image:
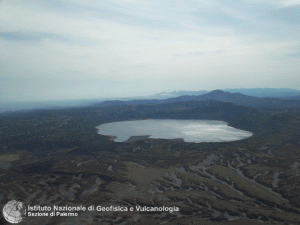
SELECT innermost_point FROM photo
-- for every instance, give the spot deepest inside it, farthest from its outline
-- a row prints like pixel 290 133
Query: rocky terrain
pixel 56 157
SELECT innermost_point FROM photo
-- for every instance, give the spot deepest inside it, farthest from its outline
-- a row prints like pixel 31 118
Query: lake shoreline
pixel 137 138
pixel 194 131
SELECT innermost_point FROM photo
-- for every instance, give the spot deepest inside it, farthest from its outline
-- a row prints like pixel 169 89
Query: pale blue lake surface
pixel 189 130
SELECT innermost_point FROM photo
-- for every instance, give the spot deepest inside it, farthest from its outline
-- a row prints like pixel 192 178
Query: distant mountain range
pixel 255 92
pixel 30 105
pixel 235 98
pixel 242 96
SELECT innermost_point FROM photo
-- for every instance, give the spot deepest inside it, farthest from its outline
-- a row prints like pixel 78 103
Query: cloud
pixel 144 46
pixel 31 36
pixel 204 52
pixel 288 3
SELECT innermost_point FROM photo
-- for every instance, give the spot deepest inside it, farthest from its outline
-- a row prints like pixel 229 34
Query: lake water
pixel 189 130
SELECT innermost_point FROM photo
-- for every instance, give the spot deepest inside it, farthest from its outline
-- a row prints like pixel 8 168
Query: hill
pixel 254 92
pixel 235 98
pixel 57 156
pixel 266 92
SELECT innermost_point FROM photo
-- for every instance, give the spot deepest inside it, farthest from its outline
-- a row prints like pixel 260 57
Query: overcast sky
pixel 73 49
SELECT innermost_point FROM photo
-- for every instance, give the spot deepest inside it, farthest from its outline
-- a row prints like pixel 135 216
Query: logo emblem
pixel 14 211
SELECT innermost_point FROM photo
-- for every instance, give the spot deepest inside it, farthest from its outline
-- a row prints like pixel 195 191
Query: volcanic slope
pixel 56 157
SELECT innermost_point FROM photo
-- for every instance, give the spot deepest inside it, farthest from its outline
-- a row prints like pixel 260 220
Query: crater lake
pixel 188 130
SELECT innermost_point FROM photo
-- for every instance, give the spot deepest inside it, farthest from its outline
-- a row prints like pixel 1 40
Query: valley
pixel 56 157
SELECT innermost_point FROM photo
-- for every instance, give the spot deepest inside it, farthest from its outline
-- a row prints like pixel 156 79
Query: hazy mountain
pixel 12 106
pixel 164 95
pixel 297 97
pixel 255 92
pixel 266 92
pixel 236 98
pixel 241 96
